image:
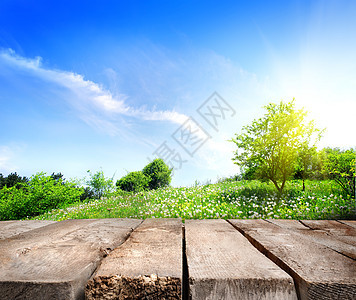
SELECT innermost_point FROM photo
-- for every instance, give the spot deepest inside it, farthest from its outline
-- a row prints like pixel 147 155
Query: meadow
pixel 225 199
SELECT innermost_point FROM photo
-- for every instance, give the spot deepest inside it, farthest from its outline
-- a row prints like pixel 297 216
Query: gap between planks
pixel 296 278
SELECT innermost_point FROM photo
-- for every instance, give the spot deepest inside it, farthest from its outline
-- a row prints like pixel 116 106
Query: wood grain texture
pixel 335 230
pixel 351 223
pixel 319 271
pixel 289 224
pixel 147 266
pixel 56 261
pixel 11 228
pixel 224 265
pixel 332 234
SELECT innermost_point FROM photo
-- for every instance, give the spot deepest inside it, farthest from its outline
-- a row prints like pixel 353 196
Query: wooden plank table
pixel 222 264
pixel 147 266
pixel 56 261
pixel 318 270
pixel 156 259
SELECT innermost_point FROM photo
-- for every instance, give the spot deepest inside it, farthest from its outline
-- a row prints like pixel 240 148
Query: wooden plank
pixel 334 229
pixel 337 236
pixel 318 271
pixel 330 226
pixel 10 228
pixel 351 223
pixel 147 266
pixel 224 265
pixel 288 224
pixel 56 261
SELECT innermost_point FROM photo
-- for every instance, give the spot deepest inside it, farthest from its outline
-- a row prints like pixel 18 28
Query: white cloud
pixel 216 155
pixel 91 99
pixel 6 158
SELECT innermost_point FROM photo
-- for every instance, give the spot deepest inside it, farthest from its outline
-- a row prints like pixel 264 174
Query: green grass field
pixel 227 199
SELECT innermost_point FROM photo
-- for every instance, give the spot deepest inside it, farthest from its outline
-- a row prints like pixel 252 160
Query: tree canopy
pixel 340 165
pixel 159 174
pixel 133 182
pixel 271 145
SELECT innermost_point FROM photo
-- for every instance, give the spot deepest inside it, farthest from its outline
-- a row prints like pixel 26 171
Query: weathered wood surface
pixel 224 265
pixel 10 228
pixel 351 223
pixel 56 261
pixel 332 234
pixel 147 266
pixel 334 228
pixel 289 224
pixel 342 234
pixel 319 271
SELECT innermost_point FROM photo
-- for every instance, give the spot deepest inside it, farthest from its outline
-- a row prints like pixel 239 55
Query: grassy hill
pixel 226 199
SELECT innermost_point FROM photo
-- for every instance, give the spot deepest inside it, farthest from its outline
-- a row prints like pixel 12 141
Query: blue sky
pixel 106 84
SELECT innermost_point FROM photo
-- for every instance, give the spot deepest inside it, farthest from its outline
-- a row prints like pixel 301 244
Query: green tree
pixel 99 184
pixel 133 182
pixel 271 144
pixel 248 172
pixel 40 194
pixel 159 174
pixel 308 164
pixel 12 180
pixel 59 177
pixel 340 166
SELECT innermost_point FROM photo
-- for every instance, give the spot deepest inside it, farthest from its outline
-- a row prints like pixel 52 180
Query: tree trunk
pixel 282 185
pixel 279 189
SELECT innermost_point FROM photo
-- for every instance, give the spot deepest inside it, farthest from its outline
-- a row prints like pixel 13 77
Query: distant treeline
pixel 22 197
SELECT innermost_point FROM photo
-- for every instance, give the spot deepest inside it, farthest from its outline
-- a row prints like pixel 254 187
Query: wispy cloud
pixel 6 157
pixel 96 105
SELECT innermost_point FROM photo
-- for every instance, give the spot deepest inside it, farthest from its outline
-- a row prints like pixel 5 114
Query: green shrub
pixel 39 195
pixel 158 173
pixel 87 194
pixel 99 185
pixel 340 166
pixel 133 182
